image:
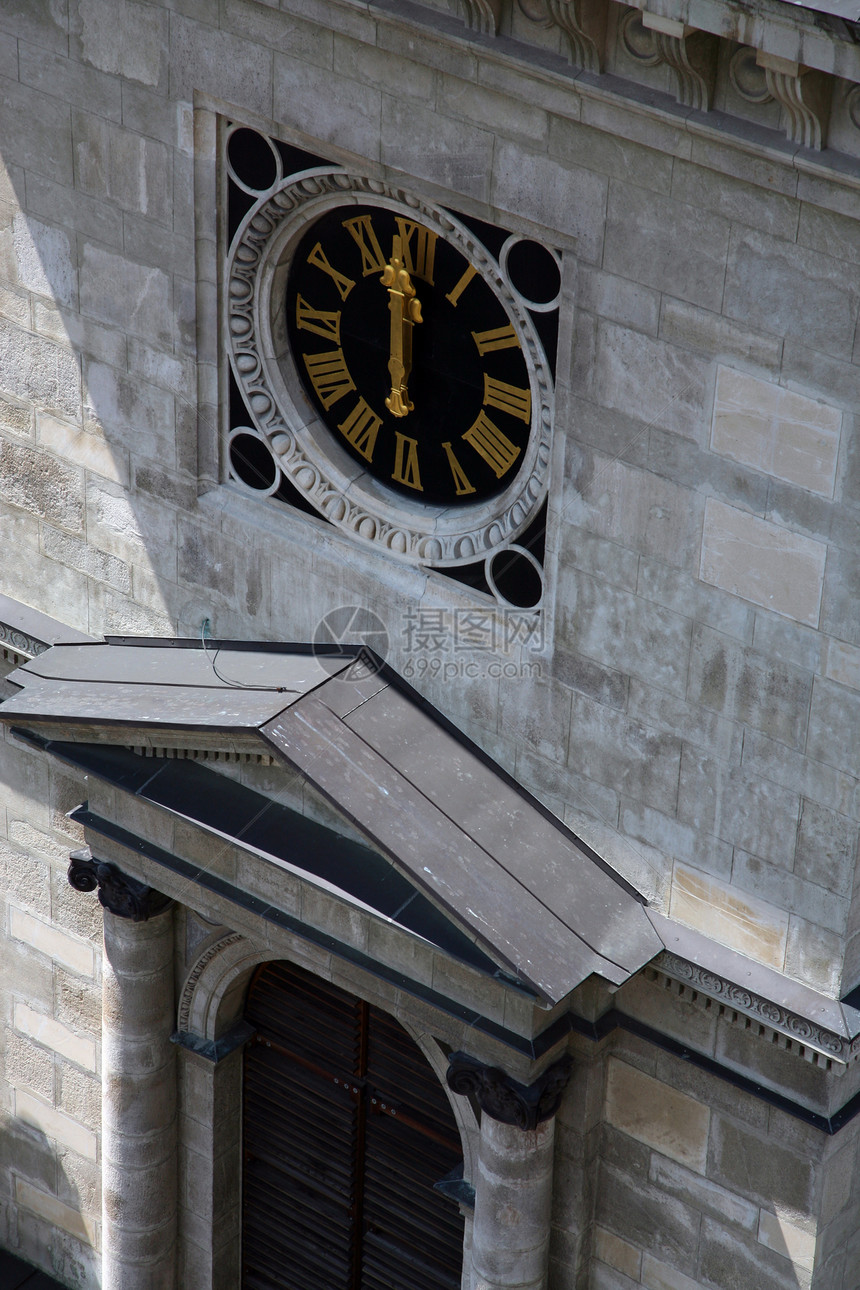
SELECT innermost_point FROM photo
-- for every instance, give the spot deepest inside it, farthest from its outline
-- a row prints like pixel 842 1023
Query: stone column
pixel 513 1190
pixel 139 1162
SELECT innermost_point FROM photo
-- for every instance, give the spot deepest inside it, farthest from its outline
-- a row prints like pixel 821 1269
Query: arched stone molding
pixel 213 992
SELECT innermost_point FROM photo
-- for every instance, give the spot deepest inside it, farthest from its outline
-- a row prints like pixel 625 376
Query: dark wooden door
pixel 346 1128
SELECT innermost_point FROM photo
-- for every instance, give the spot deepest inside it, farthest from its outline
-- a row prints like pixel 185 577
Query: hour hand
pixel 405 309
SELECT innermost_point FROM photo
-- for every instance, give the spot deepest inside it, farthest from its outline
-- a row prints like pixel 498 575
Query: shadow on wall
pixel 40 1219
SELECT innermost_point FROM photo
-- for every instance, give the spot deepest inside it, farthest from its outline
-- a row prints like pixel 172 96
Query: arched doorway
pixel 346 1129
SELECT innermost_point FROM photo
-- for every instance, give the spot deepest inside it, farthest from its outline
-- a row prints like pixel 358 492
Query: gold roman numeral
pixel 418 260
pixel 322 321
pixel 489 442
pixel 329 376
pixel 406 462
pixel 361 230
pixel 497 338
pixel 319 260
pixel 454 295
pixel 508 398
pixel 461 483
pixel 361 428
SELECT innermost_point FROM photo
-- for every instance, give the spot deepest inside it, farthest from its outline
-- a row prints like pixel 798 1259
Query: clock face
pixel 408 355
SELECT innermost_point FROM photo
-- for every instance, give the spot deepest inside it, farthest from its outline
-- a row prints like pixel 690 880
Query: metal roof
pixel 462 832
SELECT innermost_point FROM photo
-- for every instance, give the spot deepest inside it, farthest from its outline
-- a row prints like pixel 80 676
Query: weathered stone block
pixel 618 299
pixel 839 600
pixel 35 370
pixel 654 383
pixel 687 325
pixel 789 890
pixel 608 154
pixel 646 1217
pixel 117 291
pixel 55 1124
pixel 351 119
pixel 571 200
pixel 788 289
pixel 736 199
pixel 753 927
pixel 52 941
pixel 624 632
pixel 45 146
pixel 762 1170
pixel 667 1121
pixel 667 836
pixel 826 847
pixel 619 1254
pixel 776 430
pixel 55 1036
pixel 31 1068
pixel 666 244
pixel 762 562
pixel 638 509
pixel 833 719
pixel 814 955
pixel 747 686
pixel 627 756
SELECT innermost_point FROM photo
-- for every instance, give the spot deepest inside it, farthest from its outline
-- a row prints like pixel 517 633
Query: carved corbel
pixel 804 94
pixel 482 15
pixel 502 1098
pixel 584 24
pixel 118 894
pixel 692 56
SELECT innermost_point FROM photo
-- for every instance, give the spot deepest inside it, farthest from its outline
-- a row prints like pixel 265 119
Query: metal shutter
pixel 346 1128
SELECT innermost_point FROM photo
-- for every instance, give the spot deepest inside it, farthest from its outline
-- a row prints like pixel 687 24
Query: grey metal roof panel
pixel 505 822
pixel 210 667
pixel 501 910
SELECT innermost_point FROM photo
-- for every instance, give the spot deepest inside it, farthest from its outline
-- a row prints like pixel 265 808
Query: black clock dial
pixel 409 356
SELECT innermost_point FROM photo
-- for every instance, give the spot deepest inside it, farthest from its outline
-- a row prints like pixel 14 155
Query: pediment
pixel 448 835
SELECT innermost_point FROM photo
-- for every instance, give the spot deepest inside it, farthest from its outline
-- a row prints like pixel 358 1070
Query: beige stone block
pixel 55 1124
pixel 660 1276
pixel 55 1212
pixel 775 430
pixel 842 663
pixel 60 946
pixel 763 562
pixel 668 1121
pixel 619 1254
pixel 777 1233
pixel 54 1035
pixel 750 926
pixel 81 447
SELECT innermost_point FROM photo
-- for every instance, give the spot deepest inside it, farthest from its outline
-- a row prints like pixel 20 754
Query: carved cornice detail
pixel 584 25
pixel 806 1033
pixel 118 894
pixel 693 58
pixel 502 1098
pixel 803 94
pixel 482 15
pixel 20 642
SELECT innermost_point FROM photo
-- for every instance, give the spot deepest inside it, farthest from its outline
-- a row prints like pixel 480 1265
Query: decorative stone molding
pixel 118 894
pixel 482 15
pixel 804 95
pixel 748 77
pixel 20 643
pixel 584 24
pixel 501 1097
pixel 692 56
pixel 811 1038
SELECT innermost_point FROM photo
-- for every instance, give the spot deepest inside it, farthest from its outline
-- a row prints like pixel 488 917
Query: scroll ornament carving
pixel 803 94
pixel 118 894
pixel 692 57
pixel 20 642
pixel 771 1014
pixel 584 25
pixel 502 1098
pixel 482 15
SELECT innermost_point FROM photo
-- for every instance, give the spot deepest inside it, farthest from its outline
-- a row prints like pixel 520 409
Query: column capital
pixel 118 893
pixel 501 1097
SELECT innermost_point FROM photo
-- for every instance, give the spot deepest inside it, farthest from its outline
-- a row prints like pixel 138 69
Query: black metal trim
pixel 215 1050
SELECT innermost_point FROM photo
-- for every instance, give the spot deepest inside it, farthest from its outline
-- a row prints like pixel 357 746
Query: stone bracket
pixel 804 95
pixel 482 15
pixel 584 24
pixel 692 56
pixel 501 1097
pixel 118 894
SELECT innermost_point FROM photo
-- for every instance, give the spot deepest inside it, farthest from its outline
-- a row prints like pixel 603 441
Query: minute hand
pixel 405 309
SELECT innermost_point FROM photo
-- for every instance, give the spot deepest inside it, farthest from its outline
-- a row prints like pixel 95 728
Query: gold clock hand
pixel 405 309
